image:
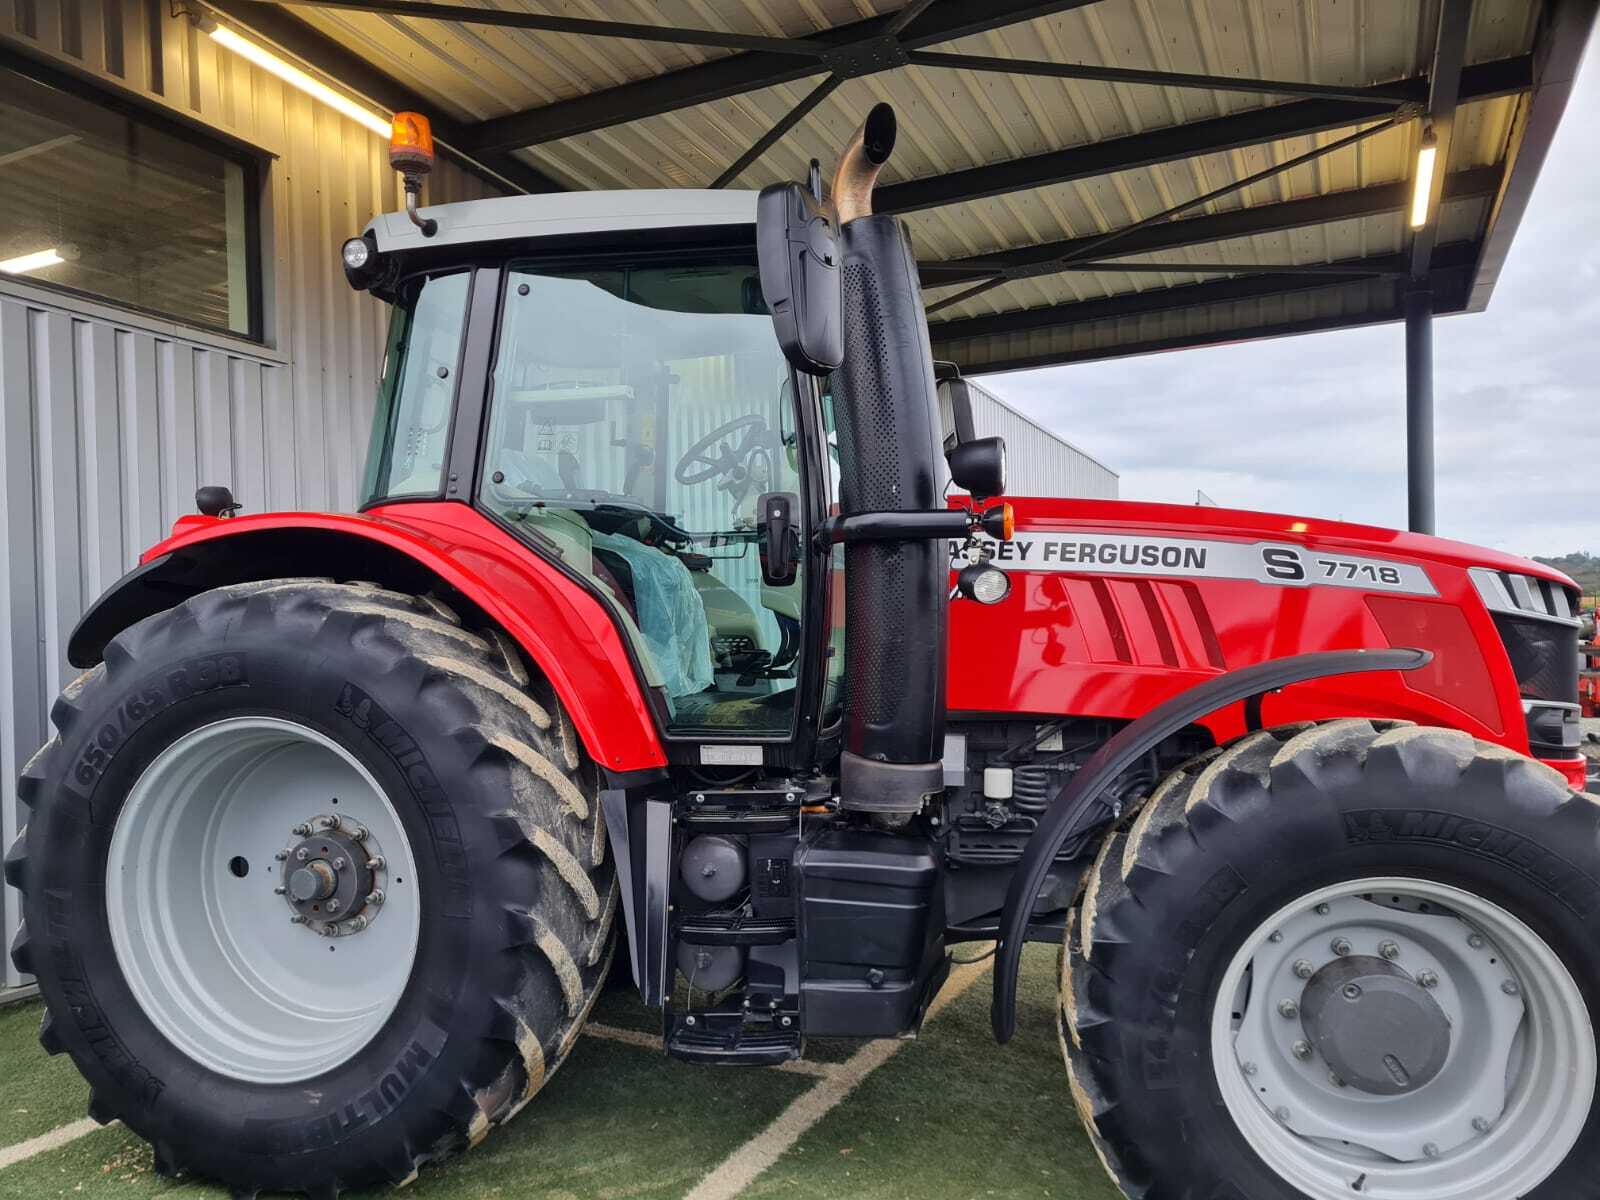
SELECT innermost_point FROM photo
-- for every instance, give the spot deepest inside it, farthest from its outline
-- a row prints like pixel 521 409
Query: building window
pixel 127 208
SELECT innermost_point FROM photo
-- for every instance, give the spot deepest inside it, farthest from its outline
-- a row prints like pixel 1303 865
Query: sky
pixel 1315 425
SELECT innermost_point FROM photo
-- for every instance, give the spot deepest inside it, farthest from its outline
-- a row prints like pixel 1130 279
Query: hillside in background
pixel 1584 569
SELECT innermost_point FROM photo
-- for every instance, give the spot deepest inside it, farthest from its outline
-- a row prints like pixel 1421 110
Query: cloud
pixel 1316 424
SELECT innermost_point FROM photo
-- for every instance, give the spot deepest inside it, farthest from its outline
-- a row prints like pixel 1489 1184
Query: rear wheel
pixel 315 884
pixel 1343 959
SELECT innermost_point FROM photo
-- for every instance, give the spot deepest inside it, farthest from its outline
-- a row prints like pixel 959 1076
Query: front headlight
pixel 356 254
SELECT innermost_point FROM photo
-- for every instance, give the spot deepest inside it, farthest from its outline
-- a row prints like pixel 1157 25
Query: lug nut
pixel 338 863
pixel 302 854
pixel 1340 946
pixel 1389 950
pixel 1303 969
pixel 1323 910
pixel 357 924
pixel 1301 1050
pixel 301 830
pixel 1249 1068
pixel 1288 1009
pixel 1510 988
pixel 1482 1124
pixel 1475 940
pixel 279 890
pixel 334 905
pixel 1282 1114
pixel 330 822
pixel 359 833
pixel 375 897
pixel 281 855
pixel 297 919
pixel 1276 936
pixel 375 863
pixel 1428 979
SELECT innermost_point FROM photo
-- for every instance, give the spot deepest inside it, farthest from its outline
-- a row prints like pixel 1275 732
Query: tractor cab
pixel 602 377
pixel 638 424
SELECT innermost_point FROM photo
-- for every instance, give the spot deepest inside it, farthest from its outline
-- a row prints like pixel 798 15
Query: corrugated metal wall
pixel 108 420
pixel 1038 462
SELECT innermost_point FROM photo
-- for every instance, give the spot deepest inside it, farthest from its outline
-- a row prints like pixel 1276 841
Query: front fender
pixel 411 546
pixel 1066 816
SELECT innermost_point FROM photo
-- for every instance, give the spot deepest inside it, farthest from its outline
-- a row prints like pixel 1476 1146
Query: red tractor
pixel 654 633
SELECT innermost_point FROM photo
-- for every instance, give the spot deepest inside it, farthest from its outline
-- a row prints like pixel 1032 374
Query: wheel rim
pixel 218 953
pixel 1492 1121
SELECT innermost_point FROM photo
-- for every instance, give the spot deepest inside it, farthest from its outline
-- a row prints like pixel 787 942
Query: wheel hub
pixel 1377 1028
pixel 332 877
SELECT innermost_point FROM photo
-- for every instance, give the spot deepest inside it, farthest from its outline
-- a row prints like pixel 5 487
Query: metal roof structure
pixel 1082 178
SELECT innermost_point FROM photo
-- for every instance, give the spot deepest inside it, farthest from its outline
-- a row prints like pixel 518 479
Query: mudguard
pixel 413 546
pixel 1066 815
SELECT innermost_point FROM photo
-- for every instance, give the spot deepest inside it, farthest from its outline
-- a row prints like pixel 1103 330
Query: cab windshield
pixel 638 414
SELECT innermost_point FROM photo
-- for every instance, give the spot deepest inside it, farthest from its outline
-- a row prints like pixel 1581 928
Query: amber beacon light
pixel 411 153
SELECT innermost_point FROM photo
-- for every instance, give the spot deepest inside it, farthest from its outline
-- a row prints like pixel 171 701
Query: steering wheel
pixel 709 458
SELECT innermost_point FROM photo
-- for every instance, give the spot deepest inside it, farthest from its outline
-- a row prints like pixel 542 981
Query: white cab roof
pixel 561 213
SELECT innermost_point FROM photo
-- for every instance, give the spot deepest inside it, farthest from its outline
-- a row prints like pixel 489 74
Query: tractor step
pixel 722 1044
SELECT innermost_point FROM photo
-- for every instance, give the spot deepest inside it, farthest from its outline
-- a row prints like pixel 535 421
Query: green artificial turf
pixel 950 1115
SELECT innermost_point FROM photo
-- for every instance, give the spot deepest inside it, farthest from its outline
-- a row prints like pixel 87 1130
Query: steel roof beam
pixel 751 71
pixel 1458 255
pixel 1212 227
pixel 1172 79
pixel 1444 93
pixel 1453 284
pixel 1216 135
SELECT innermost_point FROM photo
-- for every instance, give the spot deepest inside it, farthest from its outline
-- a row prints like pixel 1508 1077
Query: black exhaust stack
pixel 886 406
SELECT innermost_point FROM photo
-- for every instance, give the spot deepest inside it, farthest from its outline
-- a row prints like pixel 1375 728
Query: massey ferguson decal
pixel 1191 558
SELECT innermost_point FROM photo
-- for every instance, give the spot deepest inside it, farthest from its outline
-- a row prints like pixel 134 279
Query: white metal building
pixel 1038 461
pixel 1082 178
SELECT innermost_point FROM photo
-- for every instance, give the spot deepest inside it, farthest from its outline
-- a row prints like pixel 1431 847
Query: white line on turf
pixel 741 1168
pixel 10 1156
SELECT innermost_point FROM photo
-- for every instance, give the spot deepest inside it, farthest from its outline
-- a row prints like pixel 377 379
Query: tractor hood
pixel 1037 515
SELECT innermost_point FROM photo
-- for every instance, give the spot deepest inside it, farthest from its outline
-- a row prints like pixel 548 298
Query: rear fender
pixel 1070 813
pixel 442 548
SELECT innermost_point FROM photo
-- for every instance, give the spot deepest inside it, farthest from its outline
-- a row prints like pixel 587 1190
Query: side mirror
pixel 979 467
pixel 955 410
pixel 797 246
pixel 780 544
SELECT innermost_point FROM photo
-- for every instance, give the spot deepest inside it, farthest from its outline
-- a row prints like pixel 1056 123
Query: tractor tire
pixel 1350 958
pixel 234 767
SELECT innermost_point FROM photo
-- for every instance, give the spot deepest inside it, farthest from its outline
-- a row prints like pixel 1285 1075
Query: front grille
pixel 1544 657
pixel 1538 625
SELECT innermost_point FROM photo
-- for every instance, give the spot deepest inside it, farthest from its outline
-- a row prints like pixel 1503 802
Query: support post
pixel 1419 409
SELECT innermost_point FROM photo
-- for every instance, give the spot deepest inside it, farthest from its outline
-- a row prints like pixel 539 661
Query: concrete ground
pixel 950 1116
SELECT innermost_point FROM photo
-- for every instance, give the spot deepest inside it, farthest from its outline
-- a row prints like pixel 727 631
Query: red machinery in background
pixel 1589 665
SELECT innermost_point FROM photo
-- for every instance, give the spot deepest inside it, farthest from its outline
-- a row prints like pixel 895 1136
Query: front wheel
pixel 1343 959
